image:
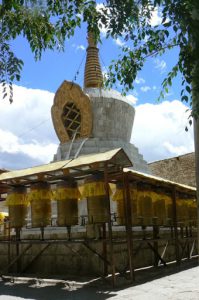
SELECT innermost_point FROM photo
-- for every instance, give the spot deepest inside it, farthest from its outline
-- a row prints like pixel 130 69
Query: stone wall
pixel 75 258
pixel 179 169
pixel 113 117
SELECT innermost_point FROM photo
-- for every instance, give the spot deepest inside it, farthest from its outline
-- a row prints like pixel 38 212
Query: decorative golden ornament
pixel 71 112
pixel 92 74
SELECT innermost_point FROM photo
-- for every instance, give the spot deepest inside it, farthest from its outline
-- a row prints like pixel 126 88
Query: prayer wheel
pixel 192 208
pixel 4 228
pixel 159 208
pixel 17 203
pixel 3 216
pixel 67 195
pixel 40 199
pixel 97 202
pixel 182 211
pixel 121 219
pixel 145 207
pixel 169 210
pixel 119 198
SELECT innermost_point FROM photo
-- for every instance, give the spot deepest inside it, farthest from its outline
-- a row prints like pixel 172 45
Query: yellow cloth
pixel 17 199
pixel 64 193
pixel 40 195
pixel 118 195
pixel 91 189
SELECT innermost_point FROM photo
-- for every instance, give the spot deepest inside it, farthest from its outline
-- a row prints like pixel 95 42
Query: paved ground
pixel 177 286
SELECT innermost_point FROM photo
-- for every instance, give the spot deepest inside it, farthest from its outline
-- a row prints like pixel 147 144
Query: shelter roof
pixel 80 166
pixel 158 181
pixel 115 161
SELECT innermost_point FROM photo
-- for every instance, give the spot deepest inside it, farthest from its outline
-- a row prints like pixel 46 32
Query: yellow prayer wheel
pixel 182 211
pixel 4 228
pixel 3 216
pixel 145 207
pixel 97 201
pixel 121 219
pixel 67 195
pixel 40 199
pixel 169 209
pixel 119 198
pixel 17 207
pixel 192 208
pixel 159 208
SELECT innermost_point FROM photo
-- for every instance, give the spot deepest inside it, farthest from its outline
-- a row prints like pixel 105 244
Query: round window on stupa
pixel 71 118
pixel 71 113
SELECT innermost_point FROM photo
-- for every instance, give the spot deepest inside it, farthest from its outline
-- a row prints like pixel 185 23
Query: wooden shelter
pixel 113 167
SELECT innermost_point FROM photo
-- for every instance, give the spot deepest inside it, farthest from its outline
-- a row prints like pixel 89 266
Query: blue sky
pixel 26 128
pixel 49 72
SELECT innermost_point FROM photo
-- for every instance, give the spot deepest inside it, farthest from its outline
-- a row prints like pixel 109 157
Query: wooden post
pixel 9 244
pixel 110 227
pixel 128 212
pixel 155 244
pixel 17 230
pixel 42 233
pixel 177 252
pixel 104 249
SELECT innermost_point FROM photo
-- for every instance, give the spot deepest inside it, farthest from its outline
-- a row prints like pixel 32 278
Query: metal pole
pixel 110 226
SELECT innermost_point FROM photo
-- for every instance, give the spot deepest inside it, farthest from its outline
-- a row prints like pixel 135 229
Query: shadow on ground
pixel 99 289
pixel 42 290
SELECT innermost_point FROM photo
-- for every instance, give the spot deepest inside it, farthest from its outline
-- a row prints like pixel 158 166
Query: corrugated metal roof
pixel 152 178
pixel 34 170
pixel 119 154
pixel 115 154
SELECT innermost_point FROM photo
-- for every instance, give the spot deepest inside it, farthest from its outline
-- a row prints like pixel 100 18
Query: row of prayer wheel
pixel 151 208
pixel 39 198
pixel 147 207
pixel 66 195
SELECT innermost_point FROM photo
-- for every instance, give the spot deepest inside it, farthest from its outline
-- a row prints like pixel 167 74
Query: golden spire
pixel 92 73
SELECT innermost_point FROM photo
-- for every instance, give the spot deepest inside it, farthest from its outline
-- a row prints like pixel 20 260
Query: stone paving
pixel 178 286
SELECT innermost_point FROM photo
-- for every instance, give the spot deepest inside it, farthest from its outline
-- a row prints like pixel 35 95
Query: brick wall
pixel 179 169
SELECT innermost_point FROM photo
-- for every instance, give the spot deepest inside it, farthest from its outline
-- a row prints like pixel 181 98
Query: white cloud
pixel 102 28
pixel 139 80
pixel 119 42
pixel 161 65
pixel 36 150
pixel 156 17
pixel 175 150
pixel 26 127
pixel 159 130
pixel 28 137
pixel 131 99
pixel 145 88
pixel 80 47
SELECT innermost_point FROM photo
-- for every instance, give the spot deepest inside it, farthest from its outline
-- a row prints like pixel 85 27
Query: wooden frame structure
pixel 112 165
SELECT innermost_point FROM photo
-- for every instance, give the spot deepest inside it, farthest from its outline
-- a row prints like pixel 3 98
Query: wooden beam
pixel 17 258
pixel 35 258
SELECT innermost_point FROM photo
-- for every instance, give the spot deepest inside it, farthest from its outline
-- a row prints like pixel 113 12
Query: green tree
pixel 179 28
pixel 46 24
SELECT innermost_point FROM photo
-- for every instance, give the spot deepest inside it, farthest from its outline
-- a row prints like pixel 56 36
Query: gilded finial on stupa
pixel 92 73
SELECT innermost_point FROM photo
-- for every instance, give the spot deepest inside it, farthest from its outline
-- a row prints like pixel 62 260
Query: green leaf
pixel 188 89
